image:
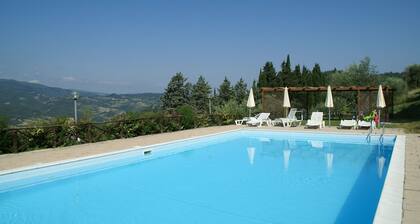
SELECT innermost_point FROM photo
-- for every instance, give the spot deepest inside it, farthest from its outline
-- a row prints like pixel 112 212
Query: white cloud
pixel 69 78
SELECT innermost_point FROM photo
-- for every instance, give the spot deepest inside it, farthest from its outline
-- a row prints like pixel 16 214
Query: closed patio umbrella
pixel 286 100
pixel 380 102
pixel 329 104
pixel 251 103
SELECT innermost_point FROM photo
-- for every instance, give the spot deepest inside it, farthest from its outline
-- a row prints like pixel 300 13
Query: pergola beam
pixel 324 89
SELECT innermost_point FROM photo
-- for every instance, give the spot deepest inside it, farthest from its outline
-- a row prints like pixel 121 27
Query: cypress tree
pixel 317 77
pixel 306 77
pixel 262 79
pixel 284 76
pixel 267 77
pixel 296 77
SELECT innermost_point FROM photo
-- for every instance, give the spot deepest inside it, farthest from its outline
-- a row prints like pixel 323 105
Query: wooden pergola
pixel 361 91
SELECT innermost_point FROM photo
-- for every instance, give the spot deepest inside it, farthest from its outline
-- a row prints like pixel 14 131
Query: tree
pixel 257 95
pixel 306 77
pixel 267 77
pixel 362 74
pixel 412 76
pixel 176 93
pixel 3 122
pixel 283 77
pixel 188 91
pixel 225 91
pixel 240 91
pixel 296 77
pixel 200 94
pixel 317 77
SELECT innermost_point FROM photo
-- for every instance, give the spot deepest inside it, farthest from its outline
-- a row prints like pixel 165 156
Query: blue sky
pixel 136 46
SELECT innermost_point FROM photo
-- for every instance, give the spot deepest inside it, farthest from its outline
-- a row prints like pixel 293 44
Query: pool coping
pixel 134 148
pixel 390 206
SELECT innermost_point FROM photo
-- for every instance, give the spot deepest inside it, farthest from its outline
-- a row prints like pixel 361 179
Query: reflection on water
pixel 286 158
pixel 251 154
pixel 329 158
pixel 316 144
pixel 380 161
pixel 307 152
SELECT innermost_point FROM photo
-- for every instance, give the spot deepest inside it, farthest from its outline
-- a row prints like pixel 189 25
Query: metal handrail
pixel 369 134
pixel 381 137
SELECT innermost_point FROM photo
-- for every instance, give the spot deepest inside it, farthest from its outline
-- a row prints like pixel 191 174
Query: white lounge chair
pixel 316 120
pixel 348 124
pixel 242 121
pixel 259 120
pixel 289 120
pixel 365 124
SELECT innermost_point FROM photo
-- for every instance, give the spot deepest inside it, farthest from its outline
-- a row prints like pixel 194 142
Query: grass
pixel 409 127
pixel 407 114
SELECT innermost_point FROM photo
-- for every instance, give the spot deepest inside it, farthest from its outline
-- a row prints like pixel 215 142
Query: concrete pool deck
pixel 411 199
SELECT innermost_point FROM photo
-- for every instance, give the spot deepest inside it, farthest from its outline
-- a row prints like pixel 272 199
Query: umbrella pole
pixel 249 110
pixel 329 117
pixel 379 118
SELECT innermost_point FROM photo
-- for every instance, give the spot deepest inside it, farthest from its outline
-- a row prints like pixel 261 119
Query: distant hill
pixel 23 101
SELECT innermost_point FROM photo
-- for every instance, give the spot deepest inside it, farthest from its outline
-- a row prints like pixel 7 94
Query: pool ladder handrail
pixel 369 134
pixel 381 137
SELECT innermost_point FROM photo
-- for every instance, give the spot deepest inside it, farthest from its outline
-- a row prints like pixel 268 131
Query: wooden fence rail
pixel 13 140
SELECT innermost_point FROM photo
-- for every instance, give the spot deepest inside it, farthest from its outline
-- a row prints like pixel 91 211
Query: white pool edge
pixel 390 206
pixel 134 148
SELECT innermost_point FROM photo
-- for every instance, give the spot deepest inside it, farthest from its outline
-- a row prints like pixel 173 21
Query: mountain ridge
pixel 21 102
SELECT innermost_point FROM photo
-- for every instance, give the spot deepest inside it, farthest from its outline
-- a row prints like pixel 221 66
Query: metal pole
pixel 75 96
pixel 379 118
pixel 329 116
pixel 75 110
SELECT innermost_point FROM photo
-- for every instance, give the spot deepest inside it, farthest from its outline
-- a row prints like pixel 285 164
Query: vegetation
pixel 412 76
pixel 177 93
pixel 64 132
pixel 184 105
pixel 200 95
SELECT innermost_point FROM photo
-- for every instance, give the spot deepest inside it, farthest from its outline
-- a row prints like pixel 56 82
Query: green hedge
pixel 64 132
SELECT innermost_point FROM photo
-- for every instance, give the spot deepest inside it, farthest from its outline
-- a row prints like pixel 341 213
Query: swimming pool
pixel 237 177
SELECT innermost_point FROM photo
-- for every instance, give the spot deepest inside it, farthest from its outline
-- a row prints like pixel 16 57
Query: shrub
pixel 187 114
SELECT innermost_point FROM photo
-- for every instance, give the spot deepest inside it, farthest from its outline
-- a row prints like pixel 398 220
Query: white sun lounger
pixel 259 120
pixel 242 121
pixel 316 120
pixel 348 124
pixel 289 120
pixel 365 124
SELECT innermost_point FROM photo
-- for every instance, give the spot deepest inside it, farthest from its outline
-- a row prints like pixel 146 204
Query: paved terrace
pixel 411 205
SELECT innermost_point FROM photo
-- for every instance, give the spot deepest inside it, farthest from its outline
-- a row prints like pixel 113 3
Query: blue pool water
pixel 238 177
